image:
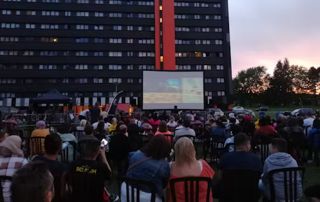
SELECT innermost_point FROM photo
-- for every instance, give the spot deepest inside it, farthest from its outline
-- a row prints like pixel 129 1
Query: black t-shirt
pixel 87 179
pixel 241 161
pixel 119 147
pixel 56 168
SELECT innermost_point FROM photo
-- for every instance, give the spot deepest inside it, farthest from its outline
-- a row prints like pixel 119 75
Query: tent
pixel 52 97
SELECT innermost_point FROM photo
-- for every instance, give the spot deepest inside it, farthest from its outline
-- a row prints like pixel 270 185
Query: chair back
pixel 36 145
pixel 243 184
pixel 66 152
pixel 4 179
pixel 263 150
pixel 230 147
pixel 217 148
pixel 169 138
pixel 133 189
pixel 194 189
pixel 288 186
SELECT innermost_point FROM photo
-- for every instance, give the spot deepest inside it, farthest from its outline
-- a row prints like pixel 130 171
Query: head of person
pixel 52 144
pixel 171 119
pixel 100 126
pixel 123 129
pixel 88 130
pixel 89 149
pixel 157 148
pixel 278 145
pixel 163 126
pixel 10 124
pixel 263 121
pixel 83 123
pixel 316 123
pixel 186 122
pixel 41 124
pixel 63 129
pixel 292 122
pixel 242 142
pixel 155 116
pixel 114 121
pixel 32 183
pixel 185 152
pixel 11 146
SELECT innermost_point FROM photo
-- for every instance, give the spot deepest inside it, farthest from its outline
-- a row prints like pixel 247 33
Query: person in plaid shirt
pixel 11 159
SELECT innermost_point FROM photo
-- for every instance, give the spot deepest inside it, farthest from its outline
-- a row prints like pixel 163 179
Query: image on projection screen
pixel 164 90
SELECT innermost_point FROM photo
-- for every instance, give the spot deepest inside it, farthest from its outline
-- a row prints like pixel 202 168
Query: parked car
pixel 303 112
pixel 262 109
pixel 216 112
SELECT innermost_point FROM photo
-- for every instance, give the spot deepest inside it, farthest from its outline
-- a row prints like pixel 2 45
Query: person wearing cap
pixel 11 127
pixel 11 159
pixel 41 130
pixel 185 129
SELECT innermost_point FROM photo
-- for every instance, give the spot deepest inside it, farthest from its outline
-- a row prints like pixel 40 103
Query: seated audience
pixel 119 150
pixel 11 159
pixel 149 164
pixel 87 176
pixel 100 132
pixel 265 128
pixel 41 130
pixel 172 124
pixel 186 165
pixel 52 146
pixel 314 134
pixel 32 183
pixel 10 127
pixel 278 159
pixel 219 131
pixel 242 158
pixel 154 122
pixel 163 130
pixel 113 127
pixel 185 129
pixel 135 139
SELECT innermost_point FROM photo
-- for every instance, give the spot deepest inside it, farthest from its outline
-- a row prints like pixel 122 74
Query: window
pixel 117 27
pixel 208 80
pixel 115 80
pixel 97 80
pixel 115 54
pixel 82 40
pixel 98 27
pixel 220 67
pixel 81 67
pixel 30 26
pixel 81 80
pixel 82 14
pixel 115 40
pixel 220 80
pixel 115 67
pixel 6 12
pixel 129 80
pixel 82 27
pixel 98 67
pixel 115 15
pixel 221 93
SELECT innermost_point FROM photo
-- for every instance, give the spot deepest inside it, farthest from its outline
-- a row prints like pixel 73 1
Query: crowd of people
pixel 155 148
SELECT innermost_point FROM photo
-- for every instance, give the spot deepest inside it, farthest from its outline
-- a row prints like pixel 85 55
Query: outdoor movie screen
pixel 164 90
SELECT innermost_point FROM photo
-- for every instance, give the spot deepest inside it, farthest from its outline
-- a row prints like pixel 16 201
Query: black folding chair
pixel 263 151
pixel 191 188
pixel 36 145
pixel 134 187
pixel 65 153
pixel 217 149
pixel 292 178
pixel 3 179
pixel 240 186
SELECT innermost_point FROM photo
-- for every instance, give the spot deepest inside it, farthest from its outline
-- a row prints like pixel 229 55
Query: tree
pixel 250 83
pixel 281 84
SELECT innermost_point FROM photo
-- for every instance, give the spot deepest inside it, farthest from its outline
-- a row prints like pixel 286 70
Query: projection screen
pixel 164 90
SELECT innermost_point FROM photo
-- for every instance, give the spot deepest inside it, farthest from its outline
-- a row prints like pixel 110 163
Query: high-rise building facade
pixel 91 49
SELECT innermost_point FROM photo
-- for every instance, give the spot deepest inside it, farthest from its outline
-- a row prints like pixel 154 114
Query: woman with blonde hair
pixel 186 165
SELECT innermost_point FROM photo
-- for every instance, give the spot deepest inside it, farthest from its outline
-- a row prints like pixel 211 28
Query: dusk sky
pixel 264 31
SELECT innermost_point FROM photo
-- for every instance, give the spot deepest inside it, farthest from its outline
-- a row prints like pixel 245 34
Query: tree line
pixel 289 85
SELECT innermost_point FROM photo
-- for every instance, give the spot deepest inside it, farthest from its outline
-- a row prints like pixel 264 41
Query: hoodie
pixel 278 161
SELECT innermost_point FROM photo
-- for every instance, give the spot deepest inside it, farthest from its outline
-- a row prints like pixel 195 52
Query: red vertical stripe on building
pixel 169 47
pixel 157 34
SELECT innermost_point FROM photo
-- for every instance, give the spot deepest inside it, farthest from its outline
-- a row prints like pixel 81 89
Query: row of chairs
pixel 237 186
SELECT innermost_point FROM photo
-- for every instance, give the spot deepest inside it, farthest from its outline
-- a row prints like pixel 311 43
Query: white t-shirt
pixel 308 122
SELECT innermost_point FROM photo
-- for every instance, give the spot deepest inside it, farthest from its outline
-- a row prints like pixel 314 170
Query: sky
pixel 265 31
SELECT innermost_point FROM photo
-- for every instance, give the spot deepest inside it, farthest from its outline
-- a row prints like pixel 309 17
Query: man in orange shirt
pixel 41 130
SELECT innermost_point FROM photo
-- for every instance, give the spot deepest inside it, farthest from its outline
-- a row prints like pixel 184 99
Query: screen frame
pixel 176 71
